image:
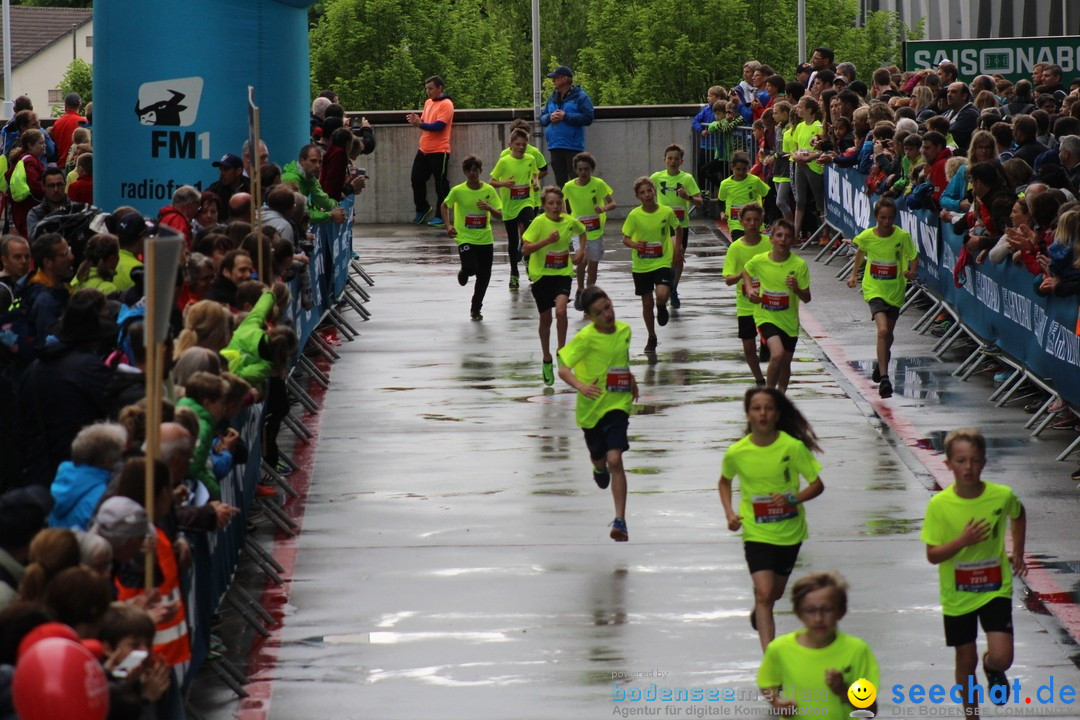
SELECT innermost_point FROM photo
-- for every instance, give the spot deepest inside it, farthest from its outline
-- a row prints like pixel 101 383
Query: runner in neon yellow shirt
pixel 532 151
pixel 769 460
pixel 679 191
pixel 648 231
pixel 784 281
pixel 516 177
pixel 589 199
pixel 964 532
pixel 751 244
pixel 547 247
pixel 809 672
pixel 738 190
pixel 467 211
pixel 893 261
pixel 596 363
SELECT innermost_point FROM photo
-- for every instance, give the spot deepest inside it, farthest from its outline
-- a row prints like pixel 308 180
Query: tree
pixel 79 78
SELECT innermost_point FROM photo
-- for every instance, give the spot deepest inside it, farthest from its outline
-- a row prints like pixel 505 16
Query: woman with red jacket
pixel 30 150
pixel 336 177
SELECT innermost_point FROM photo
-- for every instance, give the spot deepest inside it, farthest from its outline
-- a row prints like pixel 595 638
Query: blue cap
pixel 561 71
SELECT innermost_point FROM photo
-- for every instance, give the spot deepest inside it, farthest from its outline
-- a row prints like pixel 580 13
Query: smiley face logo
pixel 862 693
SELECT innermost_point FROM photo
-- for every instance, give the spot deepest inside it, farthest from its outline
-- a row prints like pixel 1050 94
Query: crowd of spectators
pixel 75 524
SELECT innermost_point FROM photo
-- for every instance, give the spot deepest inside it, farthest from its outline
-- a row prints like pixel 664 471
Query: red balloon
pixel 46 630
pixel 58 679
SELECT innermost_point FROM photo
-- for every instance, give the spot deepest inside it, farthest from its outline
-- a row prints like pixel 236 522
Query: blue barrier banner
pixel 849 209
pixel 998 303
pixel 168 103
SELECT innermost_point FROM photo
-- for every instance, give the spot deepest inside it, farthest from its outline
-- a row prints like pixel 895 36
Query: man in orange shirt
pixel 433 157
pixel 65 126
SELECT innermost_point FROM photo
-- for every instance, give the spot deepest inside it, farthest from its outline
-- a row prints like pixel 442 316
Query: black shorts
pixel 877 305
pixel 766 556
pixel 747 327
pixel 995 616
pixel 548 288
pixel 609 433
pixel 646 281
pixel 768 330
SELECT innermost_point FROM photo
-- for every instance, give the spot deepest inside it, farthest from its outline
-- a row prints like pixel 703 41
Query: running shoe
pixel 1002 376
pixel 577 302
pixel 662 315
pixel 421 217
pixel 513 282
pixel 1056 406
pixel 618 530
pixel 885 388
pixel 941 328
pixel 1076 475
pixel 650 346
pixel 1065 422
pixel 475 315
pixel 675 301
pixel 462 278
pixel 994 678
pixel 265 491
pixel 876 375
pixel 549 373
pixel 436 222
pixel 283 468
pixel 764 353
pixel 602 478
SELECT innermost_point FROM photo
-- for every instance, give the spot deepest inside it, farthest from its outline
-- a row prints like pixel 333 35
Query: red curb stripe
pixel 1038 580
pixel 263 657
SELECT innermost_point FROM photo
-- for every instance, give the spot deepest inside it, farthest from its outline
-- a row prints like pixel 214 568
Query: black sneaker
pixel 764 353
pixel 602 478
pixel 675 301
pixel 475 315
pixel 577 302
pixel 650 346
pixel 876 375
pixel 462 278
pixel 662 315
pixel 995 678
pixel 885 388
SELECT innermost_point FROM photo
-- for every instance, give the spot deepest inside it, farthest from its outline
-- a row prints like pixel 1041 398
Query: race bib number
pixel 883 270
pixel 476 222
pixel 766 512
pixel 520 192
pixel 775 301
pixel 978 576
pixel 591 222
pixel 735 212
pixel 556 260
pixel 680 212
pixel 652 250
pixel 618 379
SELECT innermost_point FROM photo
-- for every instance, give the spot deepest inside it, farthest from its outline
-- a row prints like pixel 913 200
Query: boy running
pixel 964 532
pixel 467 212
pixel 739 190
pixel 892 261
pixel 596 363
pixel 678 190
pixel 516 177
pixel 751 244
pixel 532 151
pixel 588 199
pixel 647 231
pixel 783 281
pixel 547 248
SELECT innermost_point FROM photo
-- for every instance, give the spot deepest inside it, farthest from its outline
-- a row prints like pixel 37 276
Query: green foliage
pixel 376 53
pixel 78 78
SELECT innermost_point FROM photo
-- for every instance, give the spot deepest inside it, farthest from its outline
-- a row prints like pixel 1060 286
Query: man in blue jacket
pixel 568 111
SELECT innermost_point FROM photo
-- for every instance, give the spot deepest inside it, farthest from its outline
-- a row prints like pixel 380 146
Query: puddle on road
pixel 444 418
pixel 879 525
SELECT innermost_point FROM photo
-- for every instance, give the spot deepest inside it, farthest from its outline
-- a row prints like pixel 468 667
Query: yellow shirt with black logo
pixel 522 171
pixel 667 192
pixel 981 572
pixel 602 359
pixel 554 259
pixel 473 225
pixel 655 229
pixel 738 254
pixel 737 193
pixel 887 259
pixel 799 672
pixel 779 303
pixel 541 163
pixel 583 200
pixel 764 471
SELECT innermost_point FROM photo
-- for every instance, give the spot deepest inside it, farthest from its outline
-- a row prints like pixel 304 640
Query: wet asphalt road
pixel 455 561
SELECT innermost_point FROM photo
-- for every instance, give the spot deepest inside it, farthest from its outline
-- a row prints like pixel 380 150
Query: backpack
pixel 19 186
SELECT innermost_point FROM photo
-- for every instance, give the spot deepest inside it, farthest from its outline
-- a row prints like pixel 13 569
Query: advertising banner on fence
pixel 1011 57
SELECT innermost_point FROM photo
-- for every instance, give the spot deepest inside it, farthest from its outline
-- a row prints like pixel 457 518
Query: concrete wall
pixel 624 149
pixel 43 72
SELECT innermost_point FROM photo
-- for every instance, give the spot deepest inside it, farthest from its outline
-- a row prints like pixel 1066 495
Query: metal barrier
pixel 333 272
pixel 995 308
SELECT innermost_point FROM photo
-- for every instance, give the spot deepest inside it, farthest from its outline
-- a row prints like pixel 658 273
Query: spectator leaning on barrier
pixel 935 155
pixel 303 174
pixel 962 116
pixel 568 111
pixel 81 481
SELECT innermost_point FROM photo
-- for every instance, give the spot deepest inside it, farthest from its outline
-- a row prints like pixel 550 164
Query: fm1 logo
pixel 173 104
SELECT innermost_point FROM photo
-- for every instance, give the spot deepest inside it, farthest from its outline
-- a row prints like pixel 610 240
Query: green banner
pixel 1012 58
